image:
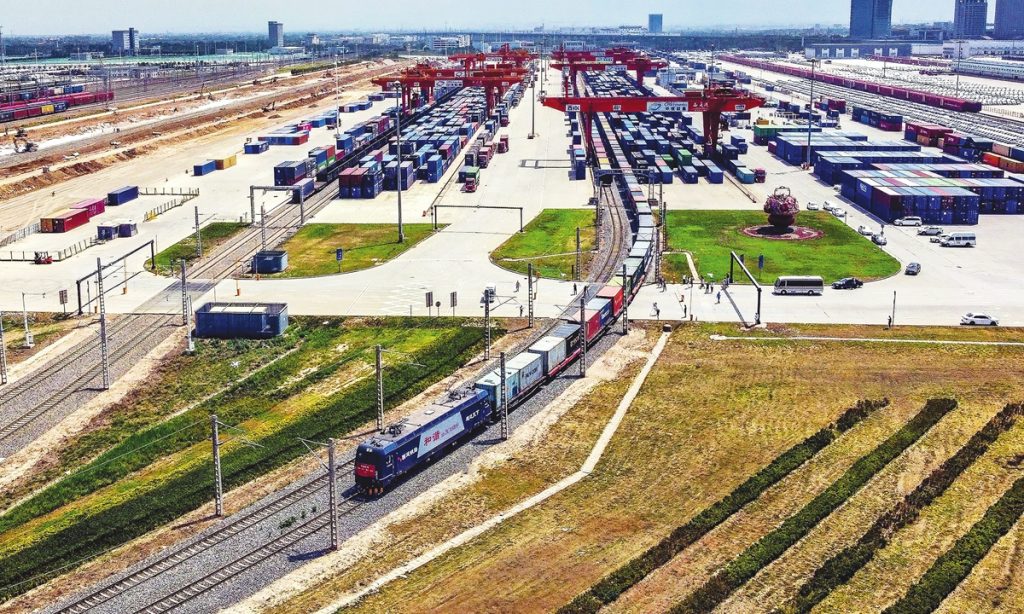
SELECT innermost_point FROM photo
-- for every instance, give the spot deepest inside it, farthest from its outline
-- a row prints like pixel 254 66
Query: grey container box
pixel 241 320
pixel 270 261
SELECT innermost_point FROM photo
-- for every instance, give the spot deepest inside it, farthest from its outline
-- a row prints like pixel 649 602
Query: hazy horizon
pixel 99 17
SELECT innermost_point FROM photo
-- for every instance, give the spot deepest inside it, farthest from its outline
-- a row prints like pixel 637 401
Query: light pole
pixel 959 58
pixel 810 112
pixel 29 342
pixel 398 132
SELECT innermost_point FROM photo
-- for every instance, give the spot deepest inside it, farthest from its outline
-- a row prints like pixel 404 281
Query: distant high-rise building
pixel 655 23
pixel 970 18
pixel 870 19
pixel 1009 18
pixel 125 42
pixel 275 33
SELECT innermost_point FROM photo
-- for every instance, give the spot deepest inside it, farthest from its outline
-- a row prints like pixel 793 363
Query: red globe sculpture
pixel 782 208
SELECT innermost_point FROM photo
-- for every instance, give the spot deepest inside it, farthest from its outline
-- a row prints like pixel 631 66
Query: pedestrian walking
pixel 574 289
pixel 517 286
pixel 890 321
pixel 684 311
pixel 719 298
pixel 520 311
pixel 657 311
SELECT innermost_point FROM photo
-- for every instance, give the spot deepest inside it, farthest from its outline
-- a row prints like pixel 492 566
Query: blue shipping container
pixel 122 195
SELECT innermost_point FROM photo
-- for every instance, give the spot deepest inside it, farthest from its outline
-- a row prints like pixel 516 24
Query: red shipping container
pixel 64 221
pixel 593 326
pixel 94 207
pixel 614 294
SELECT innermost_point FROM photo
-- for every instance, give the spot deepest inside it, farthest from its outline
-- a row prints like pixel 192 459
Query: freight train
pixel 900 93
pixel 14 111
pixel 430 432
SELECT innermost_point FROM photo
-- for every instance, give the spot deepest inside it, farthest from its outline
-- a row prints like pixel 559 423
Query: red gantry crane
pixel 712 103
pixel 494 85
pixel 638 65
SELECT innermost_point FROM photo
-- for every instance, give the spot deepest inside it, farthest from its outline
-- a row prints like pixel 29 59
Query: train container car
pixel 604 307
pixel 303 190
pixel 289 173
pixel 530 369
pixel 552 352
pixel 94 206
pixel 416 440
pixel 613 294
pixel 491 384
pixel 241 320
pixel 592 323
pixel 64 221
pixel 123 195
pixel 257 147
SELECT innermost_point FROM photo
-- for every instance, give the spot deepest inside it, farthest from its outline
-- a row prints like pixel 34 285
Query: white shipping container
pixel 491 383
pixel 551 350
pixel 530 367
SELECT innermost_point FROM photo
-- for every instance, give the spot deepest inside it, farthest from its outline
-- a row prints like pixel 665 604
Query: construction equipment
pixel 712 103
pixel 471 184
pixel 270 107
pixel 23 145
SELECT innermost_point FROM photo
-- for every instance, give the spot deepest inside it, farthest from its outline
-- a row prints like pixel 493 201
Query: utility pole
pixel 263 227
pixel 504 398
pixel 579 257
pixel 893 317
pixel 104 358
pixel 533 110
pixel 199 237
pixel 184 295
pixel 810 112
pixel 487 325
pixel 332 487
pixel 218 486
pixel 625 301
pixel 3 352
pixel 529 293
pixel 664 222
pixel 583 333
pixel 398 133
pixel 380 389
pixel 657 256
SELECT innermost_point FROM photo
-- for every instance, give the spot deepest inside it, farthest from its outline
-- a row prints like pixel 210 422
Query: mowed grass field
pixel 711 415
pixel 212 235
pixel 710 235
pixel 145 462
pixel 312 250
pixel 549 243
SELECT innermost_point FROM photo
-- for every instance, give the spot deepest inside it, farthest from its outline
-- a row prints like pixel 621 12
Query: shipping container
pixel 224 163
pixel 241 320
pixel 127 228
pixel 123 195
pixel 270 261
pixel 64 221
pixel 106 231
pixel 613 294
pixel 257 147
pixel 204 168
pixel 93 206
pixel 530 368
pixel 552 352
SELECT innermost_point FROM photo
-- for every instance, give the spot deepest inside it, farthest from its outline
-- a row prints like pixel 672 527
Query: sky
pixel 35 17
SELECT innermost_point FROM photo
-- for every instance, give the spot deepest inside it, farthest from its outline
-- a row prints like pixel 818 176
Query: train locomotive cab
pixel 372 464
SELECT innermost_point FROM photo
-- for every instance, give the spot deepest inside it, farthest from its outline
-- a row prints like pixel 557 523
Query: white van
pixel 960 239
pixel 799 285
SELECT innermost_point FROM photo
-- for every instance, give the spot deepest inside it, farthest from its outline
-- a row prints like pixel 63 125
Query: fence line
pixel 58 255
pixel 18 235
pixel 186 195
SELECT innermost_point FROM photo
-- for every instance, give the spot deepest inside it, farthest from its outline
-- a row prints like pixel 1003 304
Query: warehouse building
pixel 841 51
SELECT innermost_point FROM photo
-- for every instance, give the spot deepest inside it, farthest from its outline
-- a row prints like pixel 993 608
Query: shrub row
pixel 188 489
pixel 614 584
pixel 956 564
pixel 840 568
pixel 770 547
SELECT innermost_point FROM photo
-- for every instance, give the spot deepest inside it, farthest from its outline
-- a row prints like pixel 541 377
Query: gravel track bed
pixel 252 580
pixel 133 336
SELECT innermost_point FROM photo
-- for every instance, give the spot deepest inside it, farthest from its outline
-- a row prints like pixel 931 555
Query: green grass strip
pixel 956 564
pixel 609 588
pixel 770 547
pixel 212 235
pixel 187 490
pixel 839 569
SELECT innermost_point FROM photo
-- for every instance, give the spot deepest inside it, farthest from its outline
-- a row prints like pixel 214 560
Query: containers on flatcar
pixel 491 384
pixel 530 369
pixel 551 351
pixel 613 294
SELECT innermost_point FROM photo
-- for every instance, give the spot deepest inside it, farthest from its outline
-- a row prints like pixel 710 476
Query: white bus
pixel 799 285
pixel 960 239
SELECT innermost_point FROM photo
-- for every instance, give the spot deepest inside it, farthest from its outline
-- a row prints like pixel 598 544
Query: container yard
pixel 429 296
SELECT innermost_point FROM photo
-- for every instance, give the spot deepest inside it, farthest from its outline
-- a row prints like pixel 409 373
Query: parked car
pixel 913 268
pixel 938 238
pixel 912 220
pixel 847 283
pixel 929 231
pixel 839 212
pixel 813 207
pixel 864 230
pixel 828 206
pixel 879 240
pixel 978 319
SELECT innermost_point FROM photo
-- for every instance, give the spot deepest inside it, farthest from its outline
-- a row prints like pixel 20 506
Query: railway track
pixel 233 527
pixel 154 332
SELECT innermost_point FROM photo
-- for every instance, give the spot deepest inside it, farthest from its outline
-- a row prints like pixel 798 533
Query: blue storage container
pixel 106 232
pixel 241 320
pixel 257 147
pixel 205 168
pixel 303 190
pixel 122 195
pixel 127 229
pixel 270 261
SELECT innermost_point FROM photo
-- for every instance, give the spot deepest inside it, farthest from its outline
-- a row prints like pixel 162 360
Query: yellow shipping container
pixel 228 162
pixel 47 109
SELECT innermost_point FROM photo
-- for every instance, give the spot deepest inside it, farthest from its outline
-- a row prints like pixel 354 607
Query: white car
pixel 828 206
pixel 813 207
pixel 838 212
pixel 879 240
pixel 864 230
pixel 909 221
pixel 930 231
pixel 978 319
